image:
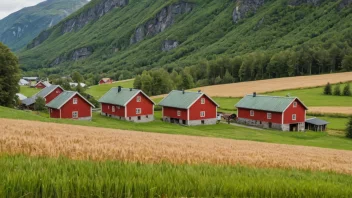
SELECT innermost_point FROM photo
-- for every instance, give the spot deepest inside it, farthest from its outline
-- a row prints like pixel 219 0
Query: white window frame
pixel 75 101
pixel 202 101
pixel 269 116
pixel 73 113
pixel 138 111
pixel 294 104
pixel 57 91
pixel 139 99
pixel 178 113
pixel 294 117
pixel 202 114
pixel 113 109
pixel 251 112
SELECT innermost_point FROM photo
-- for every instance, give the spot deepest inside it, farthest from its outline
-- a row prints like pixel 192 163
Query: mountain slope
pixel 114 36
pixel 21 27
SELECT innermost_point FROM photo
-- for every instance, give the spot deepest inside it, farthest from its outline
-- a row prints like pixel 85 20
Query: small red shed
pixel 282 113
pixel 105 81
pixel 189 108
pixel 70 105
pixel 42 84
pixel 127 104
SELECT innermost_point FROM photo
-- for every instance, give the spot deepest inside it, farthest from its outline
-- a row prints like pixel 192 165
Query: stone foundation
pixel 190 122
pixel 138 119
pixel 86 118
pixel 266 125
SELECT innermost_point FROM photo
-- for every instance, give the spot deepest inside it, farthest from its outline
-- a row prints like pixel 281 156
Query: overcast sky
pixel 9 6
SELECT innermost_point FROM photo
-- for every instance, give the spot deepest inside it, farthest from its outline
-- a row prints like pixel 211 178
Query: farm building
pixel 48 93
pixel 189 108
pixel 105 81
pixel 282 113
pixel 70 105
pixel 21 96
pixel 42 84
pixel 315 124
pixel 76 84
pixel 32 80
pixel 127 104
pixel 23 82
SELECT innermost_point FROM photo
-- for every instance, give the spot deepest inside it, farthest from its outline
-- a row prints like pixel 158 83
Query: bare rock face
pixel 39 39
pixel 169 45
pixel 344 3
pixel 75 55
pixel 164 19
pixel 244 7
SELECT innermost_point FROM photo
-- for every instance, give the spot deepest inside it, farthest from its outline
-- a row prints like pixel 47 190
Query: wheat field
pixel 342 110
pixel 80 142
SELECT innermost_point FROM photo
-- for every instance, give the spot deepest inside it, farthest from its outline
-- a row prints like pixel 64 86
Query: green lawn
pixel 23 176
pixel 27 91
pixel 99 90
pixel 220 130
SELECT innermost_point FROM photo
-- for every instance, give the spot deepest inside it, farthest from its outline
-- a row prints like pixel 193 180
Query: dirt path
pixel 79 142
pixel 342 110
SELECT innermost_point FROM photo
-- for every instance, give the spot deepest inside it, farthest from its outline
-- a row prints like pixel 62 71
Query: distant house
pixel 127 104
pixel 70 105
pixel 42 84
pixel 23 82
pixel 32 80
pixel 316 124
pixel 76 84
pixel 105 81
pixel 282 113
pixel 189 108
pixel 48 93
pixel 21 96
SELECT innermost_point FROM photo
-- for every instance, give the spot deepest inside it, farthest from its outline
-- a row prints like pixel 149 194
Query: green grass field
pixel 45 177
pixel 220 131
pixel 27 91
pixel 99 90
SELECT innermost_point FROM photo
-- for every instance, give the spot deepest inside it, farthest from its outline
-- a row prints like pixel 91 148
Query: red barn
pixel 127 104
pixel 70 105
pixel 189 108
pixel 49 93
pixel 283 113
pixel 105 81
pixel 42 84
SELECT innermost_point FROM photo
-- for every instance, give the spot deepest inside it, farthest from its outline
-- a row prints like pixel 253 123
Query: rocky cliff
pixel 74 55
pixel 245 7
pixel 163 19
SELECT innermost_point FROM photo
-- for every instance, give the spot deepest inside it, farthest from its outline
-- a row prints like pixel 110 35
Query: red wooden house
pixel 70 105
pixel 189 108
pixel 127 104
pixel 105 81
pixel 283 113
pixel 42 84
pixel 48 94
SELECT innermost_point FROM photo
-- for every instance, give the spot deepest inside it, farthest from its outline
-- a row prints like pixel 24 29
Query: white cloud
pixel 9 6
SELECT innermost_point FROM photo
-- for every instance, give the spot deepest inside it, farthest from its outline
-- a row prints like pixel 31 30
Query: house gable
pixel 209 108
pixel 145 104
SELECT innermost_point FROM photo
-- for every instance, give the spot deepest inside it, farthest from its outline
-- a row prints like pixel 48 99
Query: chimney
pixel 199 91
pixel 254 94
pixel 183 91
pixel 119 89
pixel 131 89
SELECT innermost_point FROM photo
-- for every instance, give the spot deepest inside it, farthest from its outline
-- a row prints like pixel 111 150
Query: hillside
pixel 21 27
pixel 121 38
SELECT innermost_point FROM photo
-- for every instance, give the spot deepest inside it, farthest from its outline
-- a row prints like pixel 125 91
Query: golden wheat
pixel 343 110
pixel 79 142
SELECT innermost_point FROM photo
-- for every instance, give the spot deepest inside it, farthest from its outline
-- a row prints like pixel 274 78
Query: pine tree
pixel 347 90
pixel 337 91
pixel 327 89
pixel 349 128
pixel 227 78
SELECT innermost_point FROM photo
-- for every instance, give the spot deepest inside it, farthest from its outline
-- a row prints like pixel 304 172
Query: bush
pixel 39 104
pixel 347 90
pixel 349 128
pixel 327 89
pixel 337 91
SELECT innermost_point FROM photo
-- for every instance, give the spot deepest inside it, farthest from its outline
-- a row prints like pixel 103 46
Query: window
pixel 139 99
pixel 147 116
pixel 295 104
pixel 113 108
pixel 252 113
pixel 293 116
pixel 57 91
pixel 75 101
pixel 138 110
pixel 75 114
pixel 178 113
pixel 268 116
pixel 203 122
pixel 202 114
pixel 203 101
pixel 139 117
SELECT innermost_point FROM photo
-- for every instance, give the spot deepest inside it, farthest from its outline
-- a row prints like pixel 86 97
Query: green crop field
pixel 221 130
pixel 99 90
pixel 27 91
pixel 45 177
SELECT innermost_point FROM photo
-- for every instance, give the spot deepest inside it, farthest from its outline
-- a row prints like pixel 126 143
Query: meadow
pixel 27 91
pixel 97 91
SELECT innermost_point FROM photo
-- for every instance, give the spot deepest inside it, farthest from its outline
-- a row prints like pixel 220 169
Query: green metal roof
pixel 113 96
pixel 47 90
pixel 178 99
pixel 61 99
pixel 265 103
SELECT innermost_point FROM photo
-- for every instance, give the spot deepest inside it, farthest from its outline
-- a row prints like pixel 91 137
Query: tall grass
pixel 43 177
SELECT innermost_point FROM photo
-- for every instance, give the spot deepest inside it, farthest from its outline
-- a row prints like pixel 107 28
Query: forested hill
pixel 216 41
pixel 21 27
